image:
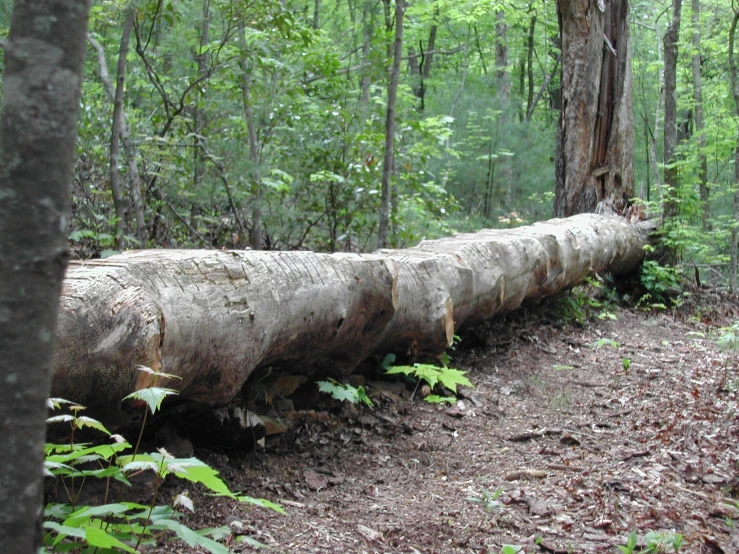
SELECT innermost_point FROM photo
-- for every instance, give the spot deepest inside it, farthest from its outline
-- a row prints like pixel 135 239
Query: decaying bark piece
pixel 212 317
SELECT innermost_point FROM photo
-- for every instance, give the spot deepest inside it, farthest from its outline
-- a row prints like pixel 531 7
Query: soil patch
pixel 575 436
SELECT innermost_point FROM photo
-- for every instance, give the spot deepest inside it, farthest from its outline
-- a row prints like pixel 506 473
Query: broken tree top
pixel 211 317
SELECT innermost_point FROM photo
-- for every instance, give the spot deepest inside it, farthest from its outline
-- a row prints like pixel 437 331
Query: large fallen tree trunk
pixel 212 317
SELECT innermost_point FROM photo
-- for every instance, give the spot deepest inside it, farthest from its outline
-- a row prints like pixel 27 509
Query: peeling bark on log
pixel 212 317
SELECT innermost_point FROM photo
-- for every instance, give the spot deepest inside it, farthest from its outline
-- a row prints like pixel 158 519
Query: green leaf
pixel 345 392
pixel 196 471
pixel 65 418
pixel 76 519
pixel 436 399
pixel 262 503
pixel 83 421
pixel 149 371
pixel 190 537
pixel 605 342
pixel 153 396
pixel 56 403
pixel 98 538
pixel 450 378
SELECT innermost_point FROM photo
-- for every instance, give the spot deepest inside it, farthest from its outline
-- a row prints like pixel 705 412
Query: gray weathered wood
pixel 212 317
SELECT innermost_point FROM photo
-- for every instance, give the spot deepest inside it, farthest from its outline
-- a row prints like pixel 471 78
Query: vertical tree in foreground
pixel 595 150
pixel 38 127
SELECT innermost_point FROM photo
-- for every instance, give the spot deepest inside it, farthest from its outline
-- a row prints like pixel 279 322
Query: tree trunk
pixel 255 234
pixel 670 206
pixel 199 120
pixel 502 79
pixel 44 55
pixel 134 179
pixel 595 140
pixel 211 317
pixel 368 31
pixel 699 123
pixel 392 92
pixel 424 68
pixel 530 64
pixel 734 75
pixel 116 132
pixel 503 90
pixel 316 14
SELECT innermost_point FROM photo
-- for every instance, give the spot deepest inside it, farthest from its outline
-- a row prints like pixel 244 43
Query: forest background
pixel 234 123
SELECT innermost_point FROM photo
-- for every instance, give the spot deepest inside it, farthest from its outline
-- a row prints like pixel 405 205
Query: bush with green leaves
pixel 116 525
pixel 661 283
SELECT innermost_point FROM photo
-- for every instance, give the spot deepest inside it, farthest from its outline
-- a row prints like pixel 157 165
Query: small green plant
pixel 593 298
pixel 728 340
pixel 432 375
pixel 488 499
pixel 654 542
pixel 626 364
pixel 511 549
pixel 600 343
pixel 630 545
pixel 120 526
pixel 345 392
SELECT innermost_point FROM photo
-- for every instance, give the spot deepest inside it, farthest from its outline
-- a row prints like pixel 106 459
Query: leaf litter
pixel 578 448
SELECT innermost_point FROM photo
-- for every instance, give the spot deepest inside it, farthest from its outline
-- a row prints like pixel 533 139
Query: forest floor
pixel 574 437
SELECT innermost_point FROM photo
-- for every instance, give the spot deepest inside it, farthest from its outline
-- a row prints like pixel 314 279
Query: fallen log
pixel 212 317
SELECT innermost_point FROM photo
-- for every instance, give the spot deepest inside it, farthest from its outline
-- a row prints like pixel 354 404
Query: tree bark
pixel 368 31
pixel 699 123
pixel 595 140
pixel 199 118
pixel 212 317
pixel 115 176
pixel 255 234
pixel 502 79
pixel 670 205
pixel 734 75
pixel 44 55
pixel 503 90
pixel 134 180
pixel 389 157
pixel 530 64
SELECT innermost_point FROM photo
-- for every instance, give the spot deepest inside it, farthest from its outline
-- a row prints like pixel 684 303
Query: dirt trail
pixel 574 437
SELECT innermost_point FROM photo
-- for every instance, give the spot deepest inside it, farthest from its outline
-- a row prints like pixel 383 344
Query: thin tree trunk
pixel 670 41
pixel 44 56
pixel 503 90
pixel 735 212
pixel 502 79
pixel 316 13
pixel 199 119
pixel 542 89
pixel 115 175
pixel 134 179
pixel 595 142
pixel 699 123
pixel 392 91
pixel 530 64
pixel 368 30
pixel 426 62
pixel 255 236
